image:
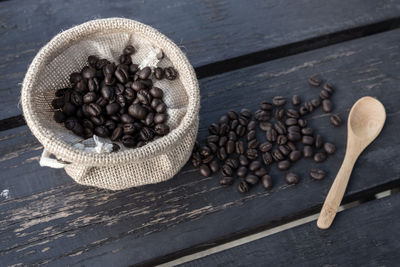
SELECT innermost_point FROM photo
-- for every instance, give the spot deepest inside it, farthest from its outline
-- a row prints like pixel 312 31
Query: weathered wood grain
pixel 79 225
pixel 367 235
pixel 208 31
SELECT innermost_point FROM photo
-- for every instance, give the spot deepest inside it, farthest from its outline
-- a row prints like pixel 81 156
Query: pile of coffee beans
pixel 232 146
pixel 116 101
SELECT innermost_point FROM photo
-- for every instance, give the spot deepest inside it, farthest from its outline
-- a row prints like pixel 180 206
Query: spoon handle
pixel 335 195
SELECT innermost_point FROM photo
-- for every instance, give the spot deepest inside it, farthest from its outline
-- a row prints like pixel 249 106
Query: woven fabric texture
pixel 66 53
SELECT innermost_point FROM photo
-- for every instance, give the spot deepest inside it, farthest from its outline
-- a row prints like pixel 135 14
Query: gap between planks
pixel 265 233
pixel 259 57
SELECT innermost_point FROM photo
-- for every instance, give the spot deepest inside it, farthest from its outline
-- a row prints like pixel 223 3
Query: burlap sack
pixel 67 52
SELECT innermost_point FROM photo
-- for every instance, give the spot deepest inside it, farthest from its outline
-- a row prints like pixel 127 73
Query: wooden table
pixel 243 52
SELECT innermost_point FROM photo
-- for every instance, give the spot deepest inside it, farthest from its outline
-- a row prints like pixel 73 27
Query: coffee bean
pixel 226 181
pixel 277 155
pixel 221 153
pixel 243 121
pixel 318 141
pixel 161 108
pixel 309 106
pixel 335 120
pixel 284 149
pixel 329 148
pixel 316 102
pixel 251 179
pixel 89 97
pixel 243 187
pixel 245 113
pixel 239 147
pixel 314 81
pixel 87 124
pixel 307 140
pixel 292 146
pixel 291 121
pixel 317 174
pixel 280 127
pixel 308 151
pixel 214 167
pixel 295 155
pixel 205 170
pixel 266 181
pixel 281 139
pixel 112 108
pixel 232 115
pixel 101 131
pixel 251 153
pixel 324 94
pixel 266 106
pixel 110 125
pixel 296 100
pixel 128 50
pixel 292 113
pixel 240 130
pixel 292 178
pixel 212 146
pixel 205 151
pixel 125 59
pixel 98 120
pixel 271 135
pixel 160 118
pixel 125 118
pixel 243 160
pixel 265 126
pixel 161 129
pixel 260 172
pixel 170 73
pixel 283 165
pixel 223 129
pixel 327 105
pixel 302 123
pixel 147 133
pixel 251 126
pixel 319 157
pixel 69 109
pixel 329 88
pixel 279 113
pixel 213 128
pixel 92 60
pixel 294 136
pixel 242 171
pixel 196 159
pixel 293 128
pixel 307 131
pixel 59 116
pixel 253 143
pixel 230 147
pixel 226 170
pixel 222 141
pixel 254 165
pixel 75 77
pixel 279 101
pixel 267 158
pixel 251 135
pixel 261 115
pixel 266 146
pixel 233 163
pixel 116 134
pixel 129 128
pixel 159 73
pixel 128 141
pixel 137 111
pixel 303 110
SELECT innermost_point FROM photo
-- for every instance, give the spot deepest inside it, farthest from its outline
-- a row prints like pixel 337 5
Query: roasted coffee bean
pixel 294 136
pixel 251 135
pixel 112 108
pixel 253 143
pixel 147 134
pixel 309 106
pixel 234 124
pixel 329 148
pixel 213 128
pixel 277 155
pixel 303 110
pixel 324 94
pixel 271 135
pixel 307 131
pixel 70 123
pixel 214 167
pixel 107 92
pixel 241 172
pixel 207 159
pixel 137 111
pixel 280 127
pixel 317 174
pixel 243 160
pixel 161 108
pixel 110 125
pixel 223 129
pixel 196 159
pixel 239 147
pixel 230 147
pixel 89 97
pixel 98 120
pixel 159 73
pixel 279 101
pixel 319 157
pixel 251 179
pixel 92 60
pixel 265 147
pixel 149 120
pixel 116 134
pixel 59 116
pixel 265 126
pixel 307 140
pixel 292 146
pixel 314 81
pixel 140 143
pixel 170 73
pixel 78 129
pixel 125 118
pixel 226 170
pixel 318 141
pixel 121 74
pixel 137 86
pixel 292 113
pixel 161 129
pixel 101 102
pixel 226 181
pixel 148 83
pixel 335 120
pixel 213 138
pixel 266 106
pixel 76 99
pixel 251 153
pixel 224 119
pixel 212 146
pixel 283 165
pixel 233 163
pixel 129 128
pixel 261 115
pixel 61 92
pixel 267 158
pixel 245 113
pixel 254 165
pixel 308 151
pixel 156 92
pixel 87 124
pixel 88 72
pixel 101 131
pixel 266 181
pixel 128 50
pixel 243 121
pixel 205 170
pixel 327 105
pixel 222 141
pixel 260 172
pixel 302 123
pixel 296 100
pixel 233 115
pixel 125 59
pixel 160 118
pixel 101 63
pixel 221 153
pixel 316 102
pixel 109 69
pixel 291 121
pixel 295 155
pixel 75 77
pixel 293 128
pixel 144 97
pixel 281 139
pixel 232 136
pixel 329 87
pixel 292 178
pixel 284 149
pixel 69 109
pixel 109 79
pixel 243 187
pixel 240 130
pixel 205 151
pixel 251 126
pixel 279 113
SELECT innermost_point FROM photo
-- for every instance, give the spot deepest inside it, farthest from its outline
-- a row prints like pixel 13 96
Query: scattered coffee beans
pixel 233 142
pixel 117 101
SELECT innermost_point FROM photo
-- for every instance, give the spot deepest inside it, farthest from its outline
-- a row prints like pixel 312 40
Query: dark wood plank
pixel 367 235
pixel 208 31
pixel 78 225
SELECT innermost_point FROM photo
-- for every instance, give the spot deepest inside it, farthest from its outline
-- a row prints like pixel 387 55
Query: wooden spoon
pixel 365 122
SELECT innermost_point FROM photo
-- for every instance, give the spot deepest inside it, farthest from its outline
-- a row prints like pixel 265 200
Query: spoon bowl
pixel 365 122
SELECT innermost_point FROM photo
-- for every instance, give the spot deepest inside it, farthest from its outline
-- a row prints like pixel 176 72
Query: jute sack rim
pixel 67 38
